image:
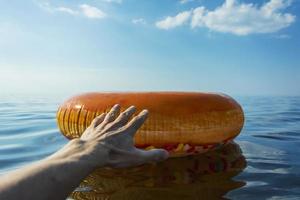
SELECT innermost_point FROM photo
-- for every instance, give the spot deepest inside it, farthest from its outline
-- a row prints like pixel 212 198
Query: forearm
pixel 108 141
pixel 54 177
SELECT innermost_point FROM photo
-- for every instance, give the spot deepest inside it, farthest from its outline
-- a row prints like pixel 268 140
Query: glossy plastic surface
pixel 182 122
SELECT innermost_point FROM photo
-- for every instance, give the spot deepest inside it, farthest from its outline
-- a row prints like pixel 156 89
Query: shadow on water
pixel 207 176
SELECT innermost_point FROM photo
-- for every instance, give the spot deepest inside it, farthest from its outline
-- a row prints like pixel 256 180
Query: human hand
pixel 108 141
pixel 110 137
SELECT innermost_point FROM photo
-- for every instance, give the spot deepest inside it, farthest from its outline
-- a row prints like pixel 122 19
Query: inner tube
pixel 183 123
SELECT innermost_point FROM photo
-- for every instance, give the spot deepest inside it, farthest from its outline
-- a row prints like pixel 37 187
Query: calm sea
pixel 267 167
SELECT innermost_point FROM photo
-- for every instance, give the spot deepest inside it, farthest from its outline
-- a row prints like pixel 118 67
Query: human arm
pixel 107 142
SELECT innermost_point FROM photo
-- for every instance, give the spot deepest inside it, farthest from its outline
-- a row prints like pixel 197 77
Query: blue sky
pixel 241 47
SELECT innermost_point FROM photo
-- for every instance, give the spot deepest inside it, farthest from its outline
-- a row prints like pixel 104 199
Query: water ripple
pixel 270 142
pixel 28 132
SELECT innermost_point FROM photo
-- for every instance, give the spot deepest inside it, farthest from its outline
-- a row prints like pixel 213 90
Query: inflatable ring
pixel 183 123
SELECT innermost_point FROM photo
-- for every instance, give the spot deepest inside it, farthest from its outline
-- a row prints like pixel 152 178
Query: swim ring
pixel 183 123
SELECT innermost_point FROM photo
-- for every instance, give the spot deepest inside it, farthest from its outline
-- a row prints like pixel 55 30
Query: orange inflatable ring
pixel 183 123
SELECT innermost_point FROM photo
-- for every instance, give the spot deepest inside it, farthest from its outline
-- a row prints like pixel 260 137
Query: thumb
pixel 154 155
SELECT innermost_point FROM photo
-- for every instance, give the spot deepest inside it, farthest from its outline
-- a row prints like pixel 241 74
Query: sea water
pixel 270 144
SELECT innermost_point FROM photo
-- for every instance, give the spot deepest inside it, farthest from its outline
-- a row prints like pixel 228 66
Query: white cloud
pixel 189 1
pixel 113 1
pixel 67 10
pixel 46 6
pixel 83 9
pixel 139 21
pixel 244 19
pixel 92 12
pixel 172 22
pixel 185 1
pixel 239 18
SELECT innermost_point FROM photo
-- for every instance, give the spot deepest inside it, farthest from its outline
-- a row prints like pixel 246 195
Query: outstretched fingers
pixel 95 123
pixel 123 118
pixel 136 122
pixel 98 120
pixel 111 115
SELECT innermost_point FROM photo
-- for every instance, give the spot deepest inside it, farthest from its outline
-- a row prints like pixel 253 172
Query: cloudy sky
pixel 245 47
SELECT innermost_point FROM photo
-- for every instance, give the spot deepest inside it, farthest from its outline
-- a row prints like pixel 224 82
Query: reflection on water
pixel 270 143
pixel 207 176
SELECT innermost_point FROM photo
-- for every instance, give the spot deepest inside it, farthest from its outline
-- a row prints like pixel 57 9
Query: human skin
pixel 107 142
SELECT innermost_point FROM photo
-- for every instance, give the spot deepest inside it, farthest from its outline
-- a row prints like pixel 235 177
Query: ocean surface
pixel 263 163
